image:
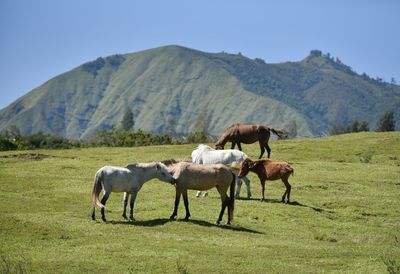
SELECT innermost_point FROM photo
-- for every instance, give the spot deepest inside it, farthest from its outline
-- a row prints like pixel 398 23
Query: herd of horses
pixel 219 168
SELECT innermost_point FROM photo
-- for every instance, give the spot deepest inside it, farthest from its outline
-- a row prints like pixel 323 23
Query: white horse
pixel 207 155
pixel 127 179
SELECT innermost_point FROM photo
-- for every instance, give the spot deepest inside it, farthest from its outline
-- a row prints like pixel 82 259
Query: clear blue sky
pixel 41 39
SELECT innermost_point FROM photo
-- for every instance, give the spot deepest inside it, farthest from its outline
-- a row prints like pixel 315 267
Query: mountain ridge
pixel 174 88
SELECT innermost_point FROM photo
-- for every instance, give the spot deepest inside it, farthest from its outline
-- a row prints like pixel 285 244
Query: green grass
pixel 344 218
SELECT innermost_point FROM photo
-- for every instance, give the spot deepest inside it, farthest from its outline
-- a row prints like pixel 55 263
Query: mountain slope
pixel 176 88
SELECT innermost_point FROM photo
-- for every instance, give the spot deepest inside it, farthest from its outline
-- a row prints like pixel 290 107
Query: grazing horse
pixel 248 134
pixel 269 170
pixel 203 177
pixel 231 157
pixel 127 179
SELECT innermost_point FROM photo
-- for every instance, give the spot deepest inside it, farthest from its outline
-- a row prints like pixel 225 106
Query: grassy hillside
pixel 175 87
pixel 344 217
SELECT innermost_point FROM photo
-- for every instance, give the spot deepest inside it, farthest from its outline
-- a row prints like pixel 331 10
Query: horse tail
pixel 278 132
pixel 232 195
pixel 290 170
pixel 98 178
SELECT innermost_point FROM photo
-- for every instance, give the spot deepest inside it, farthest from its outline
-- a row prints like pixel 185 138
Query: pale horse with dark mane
pixel 230 157
pixel 128 179
pixel 203 177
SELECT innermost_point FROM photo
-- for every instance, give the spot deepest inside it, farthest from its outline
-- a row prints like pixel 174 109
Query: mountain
pixel 181 90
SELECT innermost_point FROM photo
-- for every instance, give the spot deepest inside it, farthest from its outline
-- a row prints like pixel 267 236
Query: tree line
pixel 386 122
pixel 125 136
pixel 121 136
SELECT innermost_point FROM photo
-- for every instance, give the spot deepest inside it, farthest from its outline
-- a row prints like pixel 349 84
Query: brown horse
pixel 248 134
pixel 269 170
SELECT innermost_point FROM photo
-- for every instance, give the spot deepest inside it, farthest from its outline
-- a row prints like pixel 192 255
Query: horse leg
pixel 239 186
pixel 287 192
pixel 224 203
pixel 104 201
pixel 177 198
pixel 239 146
pixel 132 204
pixel 186 202
pixel 268 150
pixel 233 145
pixel 125 203
pixel 262 149
pixel 263 190
pixel 93 214
pixel 247 182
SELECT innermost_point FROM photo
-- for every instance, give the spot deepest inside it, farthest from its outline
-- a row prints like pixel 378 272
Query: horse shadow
pixel 277 201
pixel 163 221
pixel 146 223
pixel 227 227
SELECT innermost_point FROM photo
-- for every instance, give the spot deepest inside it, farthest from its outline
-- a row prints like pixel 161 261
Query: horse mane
pixel 203 146
pixel 140 165
pixel 169 162
pixel 222 140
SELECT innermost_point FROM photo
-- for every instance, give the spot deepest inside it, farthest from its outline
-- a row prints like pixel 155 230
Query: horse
pixel 128 179
pixel 269 170
pixel 207 155
pixel 248 134
pixel 203 177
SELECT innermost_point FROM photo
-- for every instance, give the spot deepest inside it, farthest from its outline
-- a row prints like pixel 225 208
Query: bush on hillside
pixel 355 126
pixel 6 144
pixel 386 122
pixel 118 137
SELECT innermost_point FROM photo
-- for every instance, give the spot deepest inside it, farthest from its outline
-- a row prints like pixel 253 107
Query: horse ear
pixel 158 166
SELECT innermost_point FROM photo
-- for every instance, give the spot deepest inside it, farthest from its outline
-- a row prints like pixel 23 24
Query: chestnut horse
pixel 269 170
pixel 248 134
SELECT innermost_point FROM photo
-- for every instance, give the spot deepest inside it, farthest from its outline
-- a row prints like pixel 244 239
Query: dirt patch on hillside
pixel 28 156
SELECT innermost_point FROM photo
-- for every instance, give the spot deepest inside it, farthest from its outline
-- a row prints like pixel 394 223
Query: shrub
pixel 196 137
pixel 6 144
pixel 386 122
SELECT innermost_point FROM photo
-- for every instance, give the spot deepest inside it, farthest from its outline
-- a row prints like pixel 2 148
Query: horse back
pixel 277 170
pixel 249 134
pixel 118 179
pixel 202 177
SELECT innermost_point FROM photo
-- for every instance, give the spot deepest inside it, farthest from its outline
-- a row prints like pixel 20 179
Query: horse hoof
pixel 131 219
pixel 217 223
pixel 173 217
pixel 104 219
pixel 124 216
pixel 187 218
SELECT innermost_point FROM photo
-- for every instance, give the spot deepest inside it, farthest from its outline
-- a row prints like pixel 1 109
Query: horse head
pixel 245 167
pixel 164 174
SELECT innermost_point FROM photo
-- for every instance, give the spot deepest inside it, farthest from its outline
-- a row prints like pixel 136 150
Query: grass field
pixel 345 216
